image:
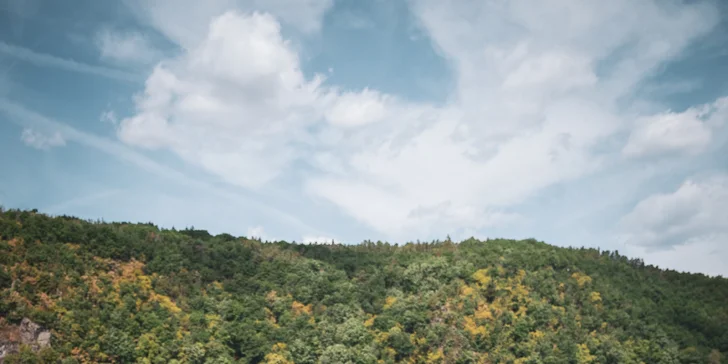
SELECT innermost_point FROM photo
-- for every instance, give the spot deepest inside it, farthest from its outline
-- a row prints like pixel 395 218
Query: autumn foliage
pixel 124 293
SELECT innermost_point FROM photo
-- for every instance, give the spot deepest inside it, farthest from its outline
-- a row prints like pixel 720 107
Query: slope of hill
pixel 120 292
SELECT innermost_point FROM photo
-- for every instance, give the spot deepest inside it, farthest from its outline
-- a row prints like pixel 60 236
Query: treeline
pixel 124 293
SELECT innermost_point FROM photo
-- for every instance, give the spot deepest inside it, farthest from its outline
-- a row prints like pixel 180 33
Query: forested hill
pixel 119 292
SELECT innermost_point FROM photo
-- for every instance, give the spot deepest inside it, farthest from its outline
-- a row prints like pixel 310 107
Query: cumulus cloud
pixel 234 104
pixel 540 86
pixel 43 141
pixel 185 22
pixel 688 132
pixel 536 95
pixel 126 46
pixel 694 212
pixel 209 193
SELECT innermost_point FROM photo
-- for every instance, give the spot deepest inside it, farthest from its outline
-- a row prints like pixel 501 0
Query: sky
pixel 578 123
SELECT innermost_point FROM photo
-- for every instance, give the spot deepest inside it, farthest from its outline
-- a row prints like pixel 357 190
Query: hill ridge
pixel 134 292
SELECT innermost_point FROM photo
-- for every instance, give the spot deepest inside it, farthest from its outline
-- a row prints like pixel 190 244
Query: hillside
pixel 121 292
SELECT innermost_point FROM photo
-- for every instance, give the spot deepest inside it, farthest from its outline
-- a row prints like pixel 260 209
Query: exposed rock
pixel 44 339
pixel 27 333
pixel 7 348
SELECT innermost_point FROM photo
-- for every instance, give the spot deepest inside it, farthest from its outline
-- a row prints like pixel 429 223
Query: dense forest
pixel 125 293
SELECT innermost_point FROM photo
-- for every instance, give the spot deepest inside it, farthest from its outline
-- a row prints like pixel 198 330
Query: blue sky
pixel 585 123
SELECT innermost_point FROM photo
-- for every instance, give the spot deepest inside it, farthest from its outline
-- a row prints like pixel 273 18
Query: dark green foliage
pixel 122 292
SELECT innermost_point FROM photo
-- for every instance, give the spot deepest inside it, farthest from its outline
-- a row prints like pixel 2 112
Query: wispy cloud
pixel 47 60
pixel 527 112
pixel 109 116
pixel 690 131
pixel 30 119
pixel 39 140
pixel 694 211
pixel 126 47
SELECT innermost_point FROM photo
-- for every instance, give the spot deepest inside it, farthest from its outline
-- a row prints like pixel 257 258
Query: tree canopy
pixel 124 292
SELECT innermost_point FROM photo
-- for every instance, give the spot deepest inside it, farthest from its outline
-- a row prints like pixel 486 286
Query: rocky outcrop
pixel 27 333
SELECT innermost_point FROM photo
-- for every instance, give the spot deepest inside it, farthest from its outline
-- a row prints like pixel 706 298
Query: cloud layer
pixel 42 59
pixel 126 47
pixel 541 88
pixel 695 212
pixel 687 132
pixel 44 141
pixel 235 104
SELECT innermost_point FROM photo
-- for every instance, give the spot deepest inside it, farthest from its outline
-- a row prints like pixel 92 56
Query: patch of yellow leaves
pixel 482 277
pixel 271 317
pixel 434 357
pixel 536 335
pixel 583 355
pixel 271 297
pixel 466 291
pixel 299 308
pixel 483 312
pixel 370 321
pixel 581 279
pixel 389 302
pixel 473 328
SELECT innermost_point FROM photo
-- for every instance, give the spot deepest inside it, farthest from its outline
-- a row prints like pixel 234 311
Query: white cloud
pixel 43 141
pixel 694 212
pixel 234 105
pixel 126 47
pixel 536 94
pixel 109 116
pixel 689 131
pixel 186 22
pixel 539 87
pixel 352 109
pixel 32 120
pixel 561 71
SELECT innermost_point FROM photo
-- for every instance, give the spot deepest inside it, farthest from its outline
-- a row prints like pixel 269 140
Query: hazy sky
pixel 580 123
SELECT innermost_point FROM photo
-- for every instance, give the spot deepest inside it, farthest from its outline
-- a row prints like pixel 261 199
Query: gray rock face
pixel 44 339
pixel 27 333
pixel 7 348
